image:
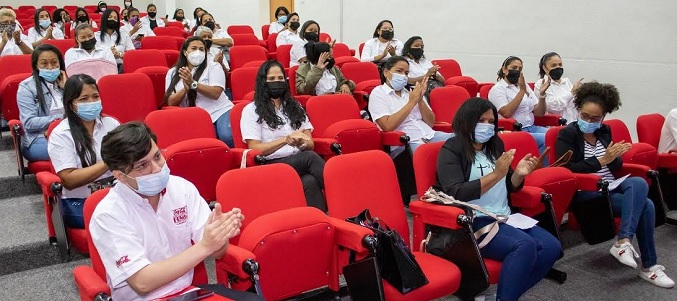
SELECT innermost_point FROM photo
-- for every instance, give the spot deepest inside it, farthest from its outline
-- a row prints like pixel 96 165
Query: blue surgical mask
pixel 89 111
pixel 282 19
pixel 45 23
pixel 398 81
pixel 588 127
pixel 152 184
pixel 484 132
pixel 49 75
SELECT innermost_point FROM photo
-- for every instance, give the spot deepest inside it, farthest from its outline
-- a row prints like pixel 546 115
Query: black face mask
pixel 152 15
pixel 276 89
pixel 311 36
pixel 208 44
pixel 88 44
pixel 556 73
pixel 294 25
pixel 112 24
pixel 211 25
pixel 513 76
pixel 83 19
pixel 417 53
pixel 330 63
pixel 180 19
pixel 387 35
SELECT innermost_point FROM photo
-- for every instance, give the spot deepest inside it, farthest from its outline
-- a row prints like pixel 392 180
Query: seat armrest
pixel 327 146
pixel 232 261
pixel 254 157
pixel 588 182
pixel 442 127
pixel 549 120
pixel 635 170
pixel 351 236
pixel 361 98
pixel 528 197
pixel 394 138
pixel 89 283
pixel 45 179
pixel 436 214
pixel 272 55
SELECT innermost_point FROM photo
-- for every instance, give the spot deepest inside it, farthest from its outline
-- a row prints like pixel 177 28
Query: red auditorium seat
pixel 444 102
pixel 271 43
pixel 158 42
pixel 157 75
pixel 171 31
pixel 264 31
pixel 240 29
pixel 283 55
pixel 247 39
pixel 243 81
pixel 649 128
pixel 366 78
pixel 240 55
pixel 127 97
pixel 62 45
pixel 143 58
pixel 291 76
pixel 640 153
pixel 171 57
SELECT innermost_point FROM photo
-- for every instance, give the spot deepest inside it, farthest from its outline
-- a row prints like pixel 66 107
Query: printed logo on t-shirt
pixel 121 261
pixel 180 215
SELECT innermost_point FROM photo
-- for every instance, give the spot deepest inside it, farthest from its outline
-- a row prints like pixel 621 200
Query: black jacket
pixel 571 138
pixel 453 173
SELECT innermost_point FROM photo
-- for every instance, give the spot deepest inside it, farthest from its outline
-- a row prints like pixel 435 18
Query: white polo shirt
pixel 275 27
pixel 34 35
pixel 502 93
pixel 62 153
pixel 122 47
pixel 159 21
pixel 144 30
pixel 384 102
pixel 12 48
pixel 420 68
pixel 297 52
pixel 213 75
pixel 287 38
pixel 326 84
pixel 78 54
pixel 374 47
pixel 75 24
pixel 253 130
pixel 558 98
pixel 130 235
pixel 668 140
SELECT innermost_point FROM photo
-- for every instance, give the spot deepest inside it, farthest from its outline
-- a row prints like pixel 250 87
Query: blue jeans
pixel 439 136
pixel 527 256
pixel 637 212
pixel 538 132
pixel 223 130
pixel 37 151
pixel 73 213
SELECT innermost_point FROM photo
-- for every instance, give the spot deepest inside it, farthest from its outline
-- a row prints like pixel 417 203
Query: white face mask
pixel 152 184
pixel 196 57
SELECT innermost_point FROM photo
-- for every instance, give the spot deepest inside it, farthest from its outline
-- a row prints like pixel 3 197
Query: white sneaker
pixel 625 253
pixel 657 277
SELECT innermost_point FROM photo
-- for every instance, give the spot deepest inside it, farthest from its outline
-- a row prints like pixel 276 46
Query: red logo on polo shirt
pixel 121 261
pixel 180 215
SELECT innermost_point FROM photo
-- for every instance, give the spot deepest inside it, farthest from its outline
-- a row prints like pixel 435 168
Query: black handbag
pixel 396 263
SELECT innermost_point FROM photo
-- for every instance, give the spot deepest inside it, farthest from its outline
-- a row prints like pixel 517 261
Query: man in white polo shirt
pixel 144 227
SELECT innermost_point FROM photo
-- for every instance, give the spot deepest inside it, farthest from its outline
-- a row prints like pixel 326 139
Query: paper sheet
pixel 521 221
pixel 613 185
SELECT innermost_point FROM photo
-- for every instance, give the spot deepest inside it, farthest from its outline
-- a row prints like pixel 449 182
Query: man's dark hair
pixel 125 145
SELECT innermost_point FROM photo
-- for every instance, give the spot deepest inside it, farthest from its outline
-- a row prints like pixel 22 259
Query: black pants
pixel 310 167
pixel 221 290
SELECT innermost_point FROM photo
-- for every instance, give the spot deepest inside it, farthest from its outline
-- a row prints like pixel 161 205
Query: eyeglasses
pixel 145 167
pixel 587 118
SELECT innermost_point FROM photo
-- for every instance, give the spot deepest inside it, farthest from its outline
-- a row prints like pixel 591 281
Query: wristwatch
pixel 193 85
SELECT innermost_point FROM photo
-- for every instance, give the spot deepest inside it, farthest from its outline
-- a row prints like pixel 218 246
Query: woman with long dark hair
pixel 75 144
pixel 44 29
pixel 559 91
pixel 474 167
pixel 280 24
pixel 310 32
pixel 319 75
pixel 196 82
pixel 180 16
pixel 383 45
pixel 40 100
pixel 112 38
pixel 277 125
pixel 419 66
pixel 61 19
pixel 82 17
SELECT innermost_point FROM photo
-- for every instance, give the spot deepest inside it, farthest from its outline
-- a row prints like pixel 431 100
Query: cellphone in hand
pixel 192 295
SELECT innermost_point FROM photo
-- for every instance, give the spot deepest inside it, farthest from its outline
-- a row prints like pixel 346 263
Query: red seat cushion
pixel 434 268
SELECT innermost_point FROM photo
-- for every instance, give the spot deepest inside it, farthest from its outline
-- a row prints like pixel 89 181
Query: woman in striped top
pixel 594 152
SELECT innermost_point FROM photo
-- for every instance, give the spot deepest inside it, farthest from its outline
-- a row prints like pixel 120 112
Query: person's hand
pixel 219 57
pixel 220 228
pixel 545 85
pixel 526 165
pixel 48 34
pixel 297 138
pixel 576 85
pixel 5 37
pixel 521 83
pixel 186 76
pixel 329 41
pixel 61 81
pixel 416 95
pixel 17 36
pixel 503 163
pixel 116 54
pixel 615 150
pixel 217 26
pixel 345 89
pixel 322 61
pixel 432 70
pixel 135 28
pixel 391 49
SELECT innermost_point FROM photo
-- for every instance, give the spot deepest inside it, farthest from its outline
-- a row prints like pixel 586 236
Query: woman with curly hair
pixel 277 125
pixel 595 153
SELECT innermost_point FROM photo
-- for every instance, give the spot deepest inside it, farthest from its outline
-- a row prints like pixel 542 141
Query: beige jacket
pixel 307 77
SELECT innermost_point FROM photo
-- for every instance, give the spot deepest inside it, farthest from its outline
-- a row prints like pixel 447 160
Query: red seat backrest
pixel 9 89
pixel 551 141
pixel 240 29
pixel 325 37
pixel 425 166
pixel 649 127
pixel 242 54
pixel 357 181
pixel 176 24
pixel 484 91
pixel 245 39
pixel 243 81
pixel 14 64
pixel 62 45
pixel 158 42
pixel 448 68
pixel 142 58
pixel 169 31
pixel 235 116
pixel 325 110
pixel 361 71
pixel 168 131
pixel 264 31
pixel 619 131
pixel 291 76
pixel 171 57
pixel 340 50
pixel 90 204
pixel 127 97
pixel 360 48
pixel 522 142
pixel 283 55
pixel 271 42
pixel 445 102
pixel 157 75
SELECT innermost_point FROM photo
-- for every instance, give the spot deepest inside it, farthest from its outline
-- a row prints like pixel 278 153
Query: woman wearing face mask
pixel 514 99
pixel 282 15
pixel 383 45
pixel 179 16
pixel 82 17
pixel 101 7
pixel 12 42
pixel 43 29
pixel 195 82
pixel 394 108
pixel 277 125
pixel 594 152
pixel 87 48
pixel 127 4
pixel 419 66
pixel 75 144
pixel 559 91
pixel 123 16
pixel 40 100
pixel 137 30
pixel 151 19
pixel 61 19
pixel 221 40
pixel 197 14
pixel 319 76
pixel 213 53
pixel 112 38
pixel 290 34
pixel 474 167
pixel 311 32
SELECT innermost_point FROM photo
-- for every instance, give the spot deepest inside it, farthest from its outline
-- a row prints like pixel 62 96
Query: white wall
pixel 141 4
pixel 231 12
pixel 628 43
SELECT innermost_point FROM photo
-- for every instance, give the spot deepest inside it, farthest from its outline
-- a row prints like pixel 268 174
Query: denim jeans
pixel 439 136
pixel 223 129
pixel 527 256
pixel 637 212
pixel 73 212
pixel 37 151
pixel 538 132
